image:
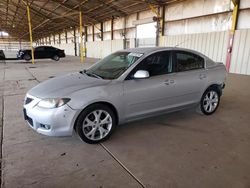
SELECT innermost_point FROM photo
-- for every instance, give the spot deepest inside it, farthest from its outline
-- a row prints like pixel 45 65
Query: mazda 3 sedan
pixel 125 86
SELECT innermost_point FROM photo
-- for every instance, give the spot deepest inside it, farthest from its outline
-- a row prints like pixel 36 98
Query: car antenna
pixel 181 42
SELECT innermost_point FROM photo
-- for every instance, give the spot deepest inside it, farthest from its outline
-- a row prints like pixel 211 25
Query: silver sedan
pixel 125 86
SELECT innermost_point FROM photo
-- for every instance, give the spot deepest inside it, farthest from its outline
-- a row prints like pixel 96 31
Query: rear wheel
pixel 96 123
pixel 27 57
pixel 210 101
pixel 56 58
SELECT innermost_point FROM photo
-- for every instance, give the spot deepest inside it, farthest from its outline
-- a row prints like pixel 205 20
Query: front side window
pixel 186 61
pixel 156 64
pixel 114 65
pixel 49 48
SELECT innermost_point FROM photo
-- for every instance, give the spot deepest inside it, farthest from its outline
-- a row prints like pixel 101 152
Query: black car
pixel 42 52
pixel 2 56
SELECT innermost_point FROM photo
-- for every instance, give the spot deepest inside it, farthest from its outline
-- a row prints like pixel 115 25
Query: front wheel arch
pixel 111 106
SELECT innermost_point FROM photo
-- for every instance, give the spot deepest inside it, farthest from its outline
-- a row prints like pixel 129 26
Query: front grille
pixel 27 118
pixel 28 100
pixel 30 121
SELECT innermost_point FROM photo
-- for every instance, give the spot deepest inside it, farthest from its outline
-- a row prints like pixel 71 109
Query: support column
pixel 86 33
pixel 30 32
pixel 93 33
pixel 236 4
pixel 66 37
pixel 124 33
pixel 101 31
pixel 136 37
pixel 81 42
pixel 86 39
pixel 20 43
pixel 54 39
pixel 59 38
pixel 112 28
pixel 75 47
pixel 158 28
pixel 160 22
pixel 162 26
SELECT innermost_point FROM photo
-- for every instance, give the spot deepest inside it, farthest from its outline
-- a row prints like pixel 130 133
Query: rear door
pixel 49 52
pixel 190 78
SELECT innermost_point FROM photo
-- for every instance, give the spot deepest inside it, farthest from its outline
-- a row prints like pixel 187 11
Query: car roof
pixel 44 46
pixel 148 50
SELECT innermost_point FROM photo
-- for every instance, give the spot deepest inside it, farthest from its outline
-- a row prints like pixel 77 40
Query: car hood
pixel 65 85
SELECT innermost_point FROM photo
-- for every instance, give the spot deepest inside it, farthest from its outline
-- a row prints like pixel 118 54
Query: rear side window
pixel 186 61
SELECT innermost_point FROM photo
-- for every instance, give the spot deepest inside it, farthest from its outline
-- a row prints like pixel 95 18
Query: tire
pixel 27 57
pixel 56 58
pixel 210 101
pixel 89 127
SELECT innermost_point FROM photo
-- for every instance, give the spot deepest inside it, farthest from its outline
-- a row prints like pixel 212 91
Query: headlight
pixel 53 103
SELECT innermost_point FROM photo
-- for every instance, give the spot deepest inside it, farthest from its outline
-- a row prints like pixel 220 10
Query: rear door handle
pixel 168 82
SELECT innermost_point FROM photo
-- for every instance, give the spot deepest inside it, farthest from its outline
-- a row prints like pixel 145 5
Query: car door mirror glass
pixel 140 74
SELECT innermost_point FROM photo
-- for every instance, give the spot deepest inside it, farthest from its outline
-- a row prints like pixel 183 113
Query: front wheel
pixel 210 101
pixel 96 123
pixel 27 57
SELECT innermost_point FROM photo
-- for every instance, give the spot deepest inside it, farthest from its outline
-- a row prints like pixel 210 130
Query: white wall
pixel 197 16
pixel 100 49
pixel 240 61
pixel 212 44
pixel 69 48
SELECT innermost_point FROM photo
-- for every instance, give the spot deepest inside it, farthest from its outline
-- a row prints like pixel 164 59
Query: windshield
pixel 114 65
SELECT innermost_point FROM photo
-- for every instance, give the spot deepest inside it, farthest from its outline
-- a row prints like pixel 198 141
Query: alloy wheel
pixel 97 125
pixel 210 101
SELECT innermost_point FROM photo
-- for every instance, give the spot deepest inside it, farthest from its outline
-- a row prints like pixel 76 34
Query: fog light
pixel 45 126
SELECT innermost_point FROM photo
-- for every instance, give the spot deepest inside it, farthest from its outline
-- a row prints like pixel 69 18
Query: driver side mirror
pixel 140 74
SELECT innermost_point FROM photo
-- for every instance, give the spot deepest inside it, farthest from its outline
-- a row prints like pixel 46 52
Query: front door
pixel 145 96
pixel 39 52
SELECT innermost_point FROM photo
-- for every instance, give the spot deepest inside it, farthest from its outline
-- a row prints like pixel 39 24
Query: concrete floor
pixel 178 150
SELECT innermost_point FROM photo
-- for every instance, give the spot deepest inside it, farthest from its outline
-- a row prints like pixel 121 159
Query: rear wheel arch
pixel 215 86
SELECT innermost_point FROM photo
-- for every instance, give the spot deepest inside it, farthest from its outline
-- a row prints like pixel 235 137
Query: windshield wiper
pixel 90 74
pixel 82 72
pixel 94 75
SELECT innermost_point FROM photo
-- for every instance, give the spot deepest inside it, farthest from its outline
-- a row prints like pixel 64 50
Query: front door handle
pixel 202 76
pixel 168 82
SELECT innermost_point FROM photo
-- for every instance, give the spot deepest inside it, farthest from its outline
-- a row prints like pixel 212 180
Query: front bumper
pixel 50 122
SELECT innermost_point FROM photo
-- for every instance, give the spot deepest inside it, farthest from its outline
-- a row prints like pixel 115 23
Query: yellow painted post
pixel 160 23
pixel 161 43
pixel 231 34
pixel 234 21
pixel 81 42
pixel 30 31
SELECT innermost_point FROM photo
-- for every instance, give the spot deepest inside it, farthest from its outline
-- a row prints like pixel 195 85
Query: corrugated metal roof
pixel 50 16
